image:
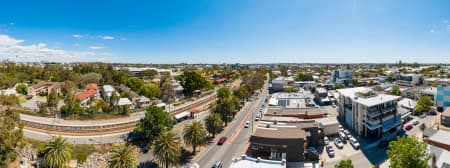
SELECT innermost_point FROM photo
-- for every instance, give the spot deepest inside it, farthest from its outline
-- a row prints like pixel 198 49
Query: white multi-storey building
pixel 409 80
pixel 369 114
pixel 342 76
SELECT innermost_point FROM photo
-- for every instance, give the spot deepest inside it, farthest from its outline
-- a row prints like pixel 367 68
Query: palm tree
pixel 167 149
pixel 214 123
pixel 194 135
pixel 123 156
pixel 57 152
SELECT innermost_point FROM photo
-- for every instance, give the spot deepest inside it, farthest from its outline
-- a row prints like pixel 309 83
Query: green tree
pixel 68 86
pixel 11 135
pixel 192 80
pixel 57 152
pixel 114 99
pixel 408 152
pixel 148 74
pixel 214 123
pixel 223 93
pixel 423 105
pixel 395 90
pixel 194 135
pixel 22 89
pixel 304 77
pixel 123 156
pixel 242 93
pixel 344 164
pixel 71 105
pixel 135 84
pixel 52 100
pixel 150 90
pixel 167 149
pixel 155 121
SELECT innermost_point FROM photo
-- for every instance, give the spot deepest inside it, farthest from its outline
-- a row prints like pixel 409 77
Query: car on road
pixel 338 143
pixel 247 124
pixel 330 152
pixel 222 140
pixel 257 118
pixel 415 122
pixel 354 143
pixel 217 164
pixel 408 127
pixel 333 105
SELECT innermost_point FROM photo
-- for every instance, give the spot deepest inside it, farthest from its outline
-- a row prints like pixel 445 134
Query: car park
pixel 222 140
pixel 408 127
pixel 338 143
pixel 354 143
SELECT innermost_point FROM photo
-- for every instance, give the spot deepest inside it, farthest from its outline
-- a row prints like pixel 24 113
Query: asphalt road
pixel 238 136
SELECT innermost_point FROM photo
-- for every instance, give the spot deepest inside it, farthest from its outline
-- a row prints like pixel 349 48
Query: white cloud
pixel 10 46
pixel 107 37
pixel 96 47
pixel 432 31
pixel 77 36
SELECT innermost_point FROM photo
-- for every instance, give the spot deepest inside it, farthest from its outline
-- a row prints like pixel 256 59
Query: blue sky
pixel 217 31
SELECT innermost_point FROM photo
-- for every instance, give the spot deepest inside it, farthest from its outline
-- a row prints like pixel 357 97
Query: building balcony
pixel 377 112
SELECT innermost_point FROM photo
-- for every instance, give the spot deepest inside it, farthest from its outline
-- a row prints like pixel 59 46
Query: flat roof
pixel 367 101
pixel 287 111
pixel 282 130
pixel 441 137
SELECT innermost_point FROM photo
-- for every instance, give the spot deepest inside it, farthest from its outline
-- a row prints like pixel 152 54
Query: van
pixel 342 137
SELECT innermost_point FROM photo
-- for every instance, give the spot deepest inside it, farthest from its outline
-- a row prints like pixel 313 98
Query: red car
pixel 222 140
pixel 408 127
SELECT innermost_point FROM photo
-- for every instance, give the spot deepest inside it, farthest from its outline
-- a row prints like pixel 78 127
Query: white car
pixel 257 118
pixel 333 105
pixel 415 122
pixel 354 143
pixel 247 124
pixel 326 140
pixel 338 143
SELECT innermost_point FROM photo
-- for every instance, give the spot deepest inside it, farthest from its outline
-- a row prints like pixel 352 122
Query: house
pixel 177 89
pixel 91 91
pixel 133 94
pixel 408 80
pixel 369 114
pixel 445 117
pixel 442 97
pixel 439 145
pixel 43 88
pixel 124 101
pixel 274 140
pixel 107 92
pixel 143 102
pixel 342 77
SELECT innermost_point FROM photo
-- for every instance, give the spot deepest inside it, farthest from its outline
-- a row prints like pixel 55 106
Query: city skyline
pixel 226 31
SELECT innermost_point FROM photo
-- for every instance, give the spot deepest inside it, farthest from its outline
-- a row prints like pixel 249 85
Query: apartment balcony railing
pixel 377 112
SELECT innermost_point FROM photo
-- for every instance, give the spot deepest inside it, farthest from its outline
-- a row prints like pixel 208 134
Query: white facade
pixel 367 113
pixel 409 80
pixel 107 92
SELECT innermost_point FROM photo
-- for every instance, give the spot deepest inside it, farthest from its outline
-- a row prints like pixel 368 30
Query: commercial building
pixel 409 80
pixel 245 161
pixel 305 84
pixel 445 117
pixel 321 96
pixel 292 105
pixel 285 140
pixel 430 92
pixel 43 88
pixel 369 114
pixel 281 83
pixel 342 76
pixel 442 98
pixel 436 81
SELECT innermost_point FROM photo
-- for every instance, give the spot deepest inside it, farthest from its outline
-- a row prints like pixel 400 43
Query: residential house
pixel 44 88
pixel 133 94
pixel 177 89
pixel 107 92
pixel 91 91
pixel 143 102
pixel 369 114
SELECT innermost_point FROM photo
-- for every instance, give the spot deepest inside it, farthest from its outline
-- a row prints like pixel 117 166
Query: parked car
pixel 408 127
pixel 329 146
pixel 338 143
pixel 257 118
pixel 217 164
pixel 415 122
pixel 247 124
pixel 342 137
pixel 354 143
pixel 330 152
pixel 222 140
pixel 326 140
pixel 333 105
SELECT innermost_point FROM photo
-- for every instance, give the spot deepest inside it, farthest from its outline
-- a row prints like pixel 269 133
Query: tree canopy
pixel 154 123
pixel 408 152
pixel 10 137
pixel 423 105
pixel 395 90
pixel 192 80
pixel 304 77
pixel 344 164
